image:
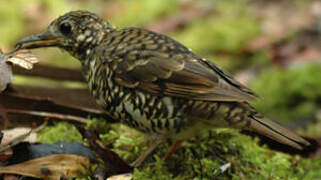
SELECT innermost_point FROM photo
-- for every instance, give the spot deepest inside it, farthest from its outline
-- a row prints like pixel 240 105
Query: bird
pixel 154 84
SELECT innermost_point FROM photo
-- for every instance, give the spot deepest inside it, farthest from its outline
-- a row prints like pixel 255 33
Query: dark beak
pixel 45 39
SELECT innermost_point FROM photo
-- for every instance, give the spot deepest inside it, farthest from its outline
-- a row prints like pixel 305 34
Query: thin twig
pixel 49 114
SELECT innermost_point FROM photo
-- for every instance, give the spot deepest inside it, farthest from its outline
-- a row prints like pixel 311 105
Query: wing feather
pixel 175 72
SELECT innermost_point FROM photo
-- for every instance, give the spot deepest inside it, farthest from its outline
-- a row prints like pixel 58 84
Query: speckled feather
pixel 155 84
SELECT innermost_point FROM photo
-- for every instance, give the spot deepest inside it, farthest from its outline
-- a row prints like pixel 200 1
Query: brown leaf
pixel 51 167
pixel 23 58
pixel 20 138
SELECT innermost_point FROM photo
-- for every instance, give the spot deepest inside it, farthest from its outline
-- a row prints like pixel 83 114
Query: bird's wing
pixel 164 67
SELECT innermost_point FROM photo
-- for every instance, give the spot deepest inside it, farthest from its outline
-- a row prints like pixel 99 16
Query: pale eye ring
pixel 65 28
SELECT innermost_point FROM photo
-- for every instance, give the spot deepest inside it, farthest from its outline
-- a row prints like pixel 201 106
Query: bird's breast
pixel 143 111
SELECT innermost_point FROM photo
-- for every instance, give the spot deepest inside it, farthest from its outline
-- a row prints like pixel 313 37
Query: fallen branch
pixel 50 115
pixel 22 109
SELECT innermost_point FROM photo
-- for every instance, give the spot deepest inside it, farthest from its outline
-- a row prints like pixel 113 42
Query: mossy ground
pixel 204 156
pixel 59 132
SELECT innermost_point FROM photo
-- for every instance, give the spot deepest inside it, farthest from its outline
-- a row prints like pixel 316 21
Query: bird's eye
pixel 65 28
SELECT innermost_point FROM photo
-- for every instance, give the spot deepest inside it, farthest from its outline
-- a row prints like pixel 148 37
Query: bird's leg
pixel 152 146
pixel 172 149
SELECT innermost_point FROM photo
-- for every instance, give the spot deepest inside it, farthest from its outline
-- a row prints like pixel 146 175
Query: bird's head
pixel 76 32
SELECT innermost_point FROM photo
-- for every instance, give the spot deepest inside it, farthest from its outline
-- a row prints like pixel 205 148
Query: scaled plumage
pixel 153 83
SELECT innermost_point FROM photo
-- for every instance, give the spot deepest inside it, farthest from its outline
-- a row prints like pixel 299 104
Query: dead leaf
pixel 51 167
pixel 20 138
pixel 23 58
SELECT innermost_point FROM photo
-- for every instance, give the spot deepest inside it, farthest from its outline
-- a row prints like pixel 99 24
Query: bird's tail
pixel 256 122
pixel 276 132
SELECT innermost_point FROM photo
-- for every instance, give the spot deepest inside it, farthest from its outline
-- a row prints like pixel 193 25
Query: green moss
pixel 126 142
pixel 59 132
pixel 260 163
pixel 308 169
pixel 202 157
pixel 157 172
pixel 289 95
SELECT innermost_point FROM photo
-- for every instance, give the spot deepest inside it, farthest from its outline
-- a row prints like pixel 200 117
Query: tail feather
pixel 276 132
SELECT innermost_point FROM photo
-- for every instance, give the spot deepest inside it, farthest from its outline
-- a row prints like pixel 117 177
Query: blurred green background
pixel 272 46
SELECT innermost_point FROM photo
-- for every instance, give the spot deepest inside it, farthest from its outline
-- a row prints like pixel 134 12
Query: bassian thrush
pixel 155 84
